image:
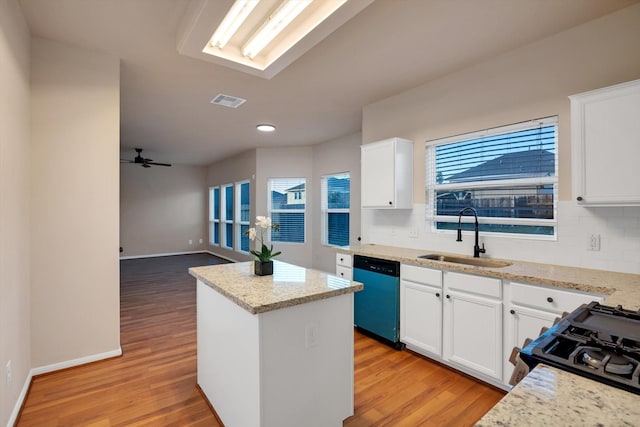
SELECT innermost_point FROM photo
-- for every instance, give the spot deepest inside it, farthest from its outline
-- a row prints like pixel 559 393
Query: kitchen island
pixel 275 350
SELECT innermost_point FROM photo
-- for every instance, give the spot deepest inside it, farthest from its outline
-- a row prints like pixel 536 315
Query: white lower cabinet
pixel 344 266
pixel 421 309
pixel 472 324
pixel 529 308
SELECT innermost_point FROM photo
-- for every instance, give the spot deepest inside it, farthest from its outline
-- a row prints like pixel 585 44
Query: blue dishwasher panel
pixel 377 306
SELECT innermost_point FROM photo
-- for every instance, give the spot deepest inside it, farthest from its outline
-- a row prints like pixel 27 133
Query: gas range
pixel 594 341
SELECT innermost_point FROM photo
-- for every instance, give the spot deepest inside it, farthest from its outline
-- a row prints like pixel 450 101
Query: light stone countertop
pixel 619 288
pixel 288 286
pixel 552 397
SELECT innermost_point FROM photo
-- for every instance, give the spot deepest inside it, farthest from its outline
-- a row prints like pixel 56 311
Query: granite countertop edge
pixel 618 288
pixel 551 396
pixel 274 305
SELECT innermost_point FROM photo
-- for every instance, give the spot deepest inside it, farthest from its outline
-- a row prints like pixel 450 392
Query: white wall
pixel 287 162
pixel 337 156
pixel 529 82
pixel 14 206
pixel 74 203
pixel 161 209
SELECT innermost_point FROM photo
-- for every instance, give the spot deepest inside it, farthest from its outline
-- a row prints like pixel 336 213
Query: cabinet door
pixel 522 323
pixel 378 175
pixel 472 332
pixel 344 272
pixel 421 317
pixel 605 129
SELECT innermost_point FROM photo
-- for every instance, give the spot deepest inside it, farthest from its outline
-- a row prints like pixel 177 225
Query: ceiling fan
pixel 145 163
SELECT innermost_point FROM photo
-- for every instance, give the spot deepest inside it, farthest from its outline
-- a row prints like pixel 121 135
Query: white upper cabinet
pixel 387 174
pixel 605 136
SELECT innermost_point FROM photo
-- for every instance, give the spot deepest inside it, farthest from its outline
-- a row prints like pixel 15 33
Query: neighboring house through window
pixel 508 174
pixel 335 202
pixel 287 204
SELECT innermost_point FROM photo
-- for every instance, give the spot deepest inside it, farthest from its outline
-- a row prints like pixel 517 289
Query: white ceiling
pixel 389 47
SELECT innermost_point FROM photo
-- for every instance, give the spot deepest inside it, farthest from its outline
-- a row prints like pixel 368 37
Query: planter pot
pixel 263 268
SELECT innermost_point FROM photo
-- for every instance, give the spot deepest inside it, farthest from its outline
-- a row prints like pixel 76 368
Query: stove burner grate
pixel 613 363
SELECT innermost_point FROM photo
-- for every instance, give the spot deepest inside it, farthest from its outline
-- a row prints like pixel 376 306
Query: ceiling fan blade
pixel 126 161
pixel 158 164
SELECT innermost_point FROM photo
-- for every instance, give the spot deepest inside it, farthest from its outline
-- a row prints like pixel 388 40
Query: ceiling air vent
pixel 228 100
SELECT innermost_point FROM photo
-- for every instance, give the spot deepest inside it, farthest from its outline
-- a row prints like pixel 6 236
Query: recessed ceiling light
pixel 266 128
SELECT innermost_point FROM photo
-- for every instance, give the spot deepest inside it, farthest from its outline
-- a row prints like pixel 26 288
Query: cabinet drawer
pixel 343 259
pixel 427 276
pixel 344 272
pixel 479 285
pixel 549 299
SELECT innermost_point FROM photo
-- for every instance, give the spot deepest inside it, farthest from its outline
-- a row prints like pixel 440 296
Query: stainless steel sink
pixel 480 262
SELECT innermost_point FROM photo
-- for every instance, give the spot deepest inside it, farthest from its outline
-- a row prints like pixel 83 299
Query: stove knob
pixel 549 299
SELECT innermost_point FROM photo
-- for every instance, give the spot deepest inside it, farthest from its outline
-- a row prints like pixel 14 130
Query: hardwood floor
pixel 154 382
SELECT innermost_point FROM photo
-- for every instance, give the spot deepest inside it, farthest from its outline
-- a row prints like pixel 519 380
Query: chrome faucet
pixel 477 250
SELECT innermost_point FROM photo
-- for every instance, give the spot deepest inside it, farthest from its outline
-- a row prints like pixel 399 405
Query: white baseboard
pixel 76 362
pixel 23 395
pixel 167 254
pixel 55 367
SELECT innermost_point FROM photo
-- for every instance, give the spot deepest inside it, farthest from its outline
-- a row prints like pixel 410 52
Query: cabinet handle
pixel 448 296
pixel 342 274
pixel 512 311
pixel 390 203
pixel 341 259
pixel 438 294
pixel 579 198
pixel 549 299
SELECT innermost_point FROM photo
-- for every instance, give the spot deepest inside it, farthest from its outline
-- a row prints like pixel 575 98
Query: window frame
pixel 214 216
pixel 325 210
pixel 224 221
pixel 238 222
pixel 271 211
pixel 432 187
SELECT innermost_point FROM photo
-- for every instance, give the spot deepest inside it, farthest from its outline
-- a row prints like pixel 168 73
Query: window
pixel 287 200
pixel 214 215
pixel 243 205
pixel 227 216
pixel 335 191
pixel 508 174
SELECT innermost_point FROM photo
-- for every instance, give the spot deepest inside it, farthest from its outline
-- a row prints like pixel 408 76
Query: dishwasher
pixel 377 306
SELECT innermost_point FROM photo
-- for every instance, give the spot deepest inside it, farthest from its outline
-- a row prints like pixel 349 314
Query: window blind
pixel 336 192
pixel 508 174
pixel 287 204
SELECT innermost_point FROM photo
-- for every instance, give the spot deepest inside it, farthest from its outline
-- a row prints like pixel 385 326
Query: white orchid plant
pixel 265 253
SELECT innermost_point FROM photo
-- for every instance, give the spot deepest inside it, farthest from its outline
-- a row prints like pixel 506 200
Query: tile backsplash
pixel 618 229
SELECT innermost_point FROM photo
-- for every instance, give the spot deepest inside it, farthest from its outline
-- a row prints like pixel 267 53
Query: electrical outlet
pixel 190 242
pixel 413 232
pixel 9 373
pixel 200 241
pixel 311 336
pixel 594 242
